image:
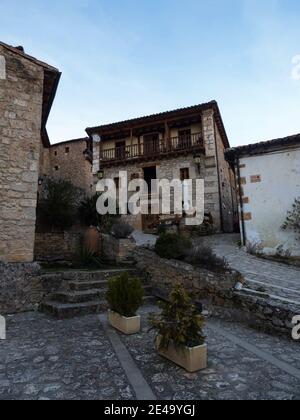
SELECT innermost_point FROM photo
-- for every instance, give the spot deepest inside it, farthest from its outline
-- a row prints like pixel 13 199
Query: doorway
pixel 149 221
pixel 149 174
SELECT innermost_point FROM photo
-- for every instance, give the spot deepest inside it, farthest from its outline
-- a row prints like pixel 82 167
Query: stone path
pixel 77 359
pixel 280 280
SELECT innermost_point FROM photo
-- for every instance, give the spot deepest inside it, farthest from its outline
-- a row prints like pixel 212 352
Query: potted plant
pixel 125 296
pixel 179 329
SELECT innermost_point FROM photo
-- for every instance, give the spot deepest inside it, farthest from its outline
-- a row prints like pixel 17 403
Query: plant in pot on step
pixel 125 296
pixel 179 329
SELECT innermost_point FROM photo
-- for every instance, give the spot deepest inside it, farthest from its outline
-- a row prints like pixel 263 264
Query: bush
pixel 57 208
pixel 204 256
pixel 162 228
pixel 125 295
pixel 293 218
pixel 88 214
pixel 172 246
pixel 88 259
pixel 121 230
pixel 180 322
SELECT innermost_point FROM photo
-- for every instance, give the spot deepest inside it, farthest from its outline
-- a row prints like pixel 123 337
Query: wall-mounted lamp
pixel 198 160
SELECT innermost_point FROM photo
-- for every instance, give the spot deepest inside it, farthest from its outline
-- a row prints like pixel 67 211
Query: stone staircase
pixel 81 293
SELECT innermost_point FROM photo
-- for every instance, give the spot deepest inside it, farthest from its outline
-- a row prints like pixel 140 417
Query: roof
pixel 18 51
pixel 51 80
pixel 70 141
pixel 132 123
pixel 263 147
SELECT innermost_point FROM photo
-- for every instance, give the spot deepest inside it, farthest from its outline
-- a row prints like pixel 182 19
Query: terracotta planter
pixel 127 326
pixel 192 359
pixel 92 240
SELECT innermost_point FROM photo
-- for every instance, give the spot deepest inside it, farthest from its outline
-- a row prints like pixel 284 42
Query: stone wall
pixel 19 287
pixel 67 161
pixel 64 246
pixel 216 292
pixel 117 250
pixel 230 219
pixel 21 93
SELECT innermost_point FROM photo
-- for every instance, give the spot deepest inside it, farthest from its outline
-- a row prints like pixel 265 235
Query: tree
pixel 58 205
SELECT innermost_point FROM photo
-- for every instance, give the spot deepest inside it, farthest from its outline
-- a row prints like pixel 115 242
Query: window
pixel 184 174
pixel 55 153
pixel 56 168
pixel 67 150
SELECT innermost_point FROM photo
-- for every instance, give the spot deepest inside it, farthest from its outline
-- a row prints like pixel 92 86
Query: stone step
pixel 87 285
pixel 78 296
pixel 62 310
pixel 71 310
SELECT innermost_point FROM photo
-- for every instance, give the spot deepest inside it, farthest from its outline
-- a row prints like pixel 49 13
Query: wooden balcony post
pixel 167 136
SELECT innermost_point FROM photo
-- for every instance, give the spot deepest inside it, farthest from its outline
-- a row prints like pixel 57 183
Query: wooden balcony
pixel 154 149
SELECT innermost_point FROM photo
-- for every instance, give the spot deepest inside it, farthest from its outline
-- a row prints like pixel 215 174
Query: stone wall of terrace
pixel 216 292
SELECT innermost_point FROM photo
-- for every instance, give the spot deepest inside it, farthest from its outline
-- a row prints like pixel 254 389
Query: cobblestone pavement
pixel 233 373
pixel 275 278
pixel 43 358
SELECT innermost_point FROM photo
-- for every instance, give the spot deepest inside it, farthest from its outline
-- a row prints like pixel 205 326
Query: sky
pixel 122 59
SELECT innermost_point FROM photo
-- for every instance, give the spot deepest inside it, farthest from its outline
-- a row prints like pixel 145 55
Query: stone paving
pixel 276 278
pixel 43 358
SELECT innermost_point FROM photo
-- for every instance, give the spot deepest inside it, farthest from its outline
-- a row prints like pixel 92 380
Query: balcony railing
pixel 153 148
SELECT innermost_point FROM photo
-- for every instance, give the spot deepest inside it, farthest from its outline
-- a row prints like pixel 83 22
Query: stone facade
pixel 24 107
pixel 217 293
pixel 70 161
pixel 220 194
pixel 58 246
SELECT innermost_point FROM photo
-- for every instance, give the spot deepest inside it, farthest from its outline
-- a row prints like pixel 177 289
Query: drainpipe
pixel 237 162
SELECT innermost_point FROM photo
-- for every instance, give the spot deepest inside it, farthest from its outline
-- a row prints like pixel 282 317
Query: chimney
pixel 20 48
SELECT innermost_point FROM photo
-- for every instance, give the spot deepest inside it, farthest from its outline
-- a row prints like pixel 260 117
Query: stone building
pixel 268 177
pixel 69 160
pixel 187 143
pixel 27 90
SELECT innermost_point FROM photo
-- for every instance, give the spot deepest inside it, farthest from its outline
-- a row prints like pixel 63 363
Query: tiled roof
pixel 131 123
pixel 263 147
pixel 70 141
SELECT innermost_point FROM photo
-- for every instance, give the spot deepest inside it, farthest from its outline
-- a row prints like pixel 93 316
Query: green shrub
pixel 58 205
pixel 180 322
pixel 121 230
pixel 172 246
pixel 88 259
pixel 125 295
pixel 204 256
pixel 162 228
pixel 293 219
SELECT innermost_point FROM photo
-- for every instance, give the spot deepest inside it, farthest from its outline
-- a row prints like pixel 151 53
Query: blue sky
pixel 128 58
